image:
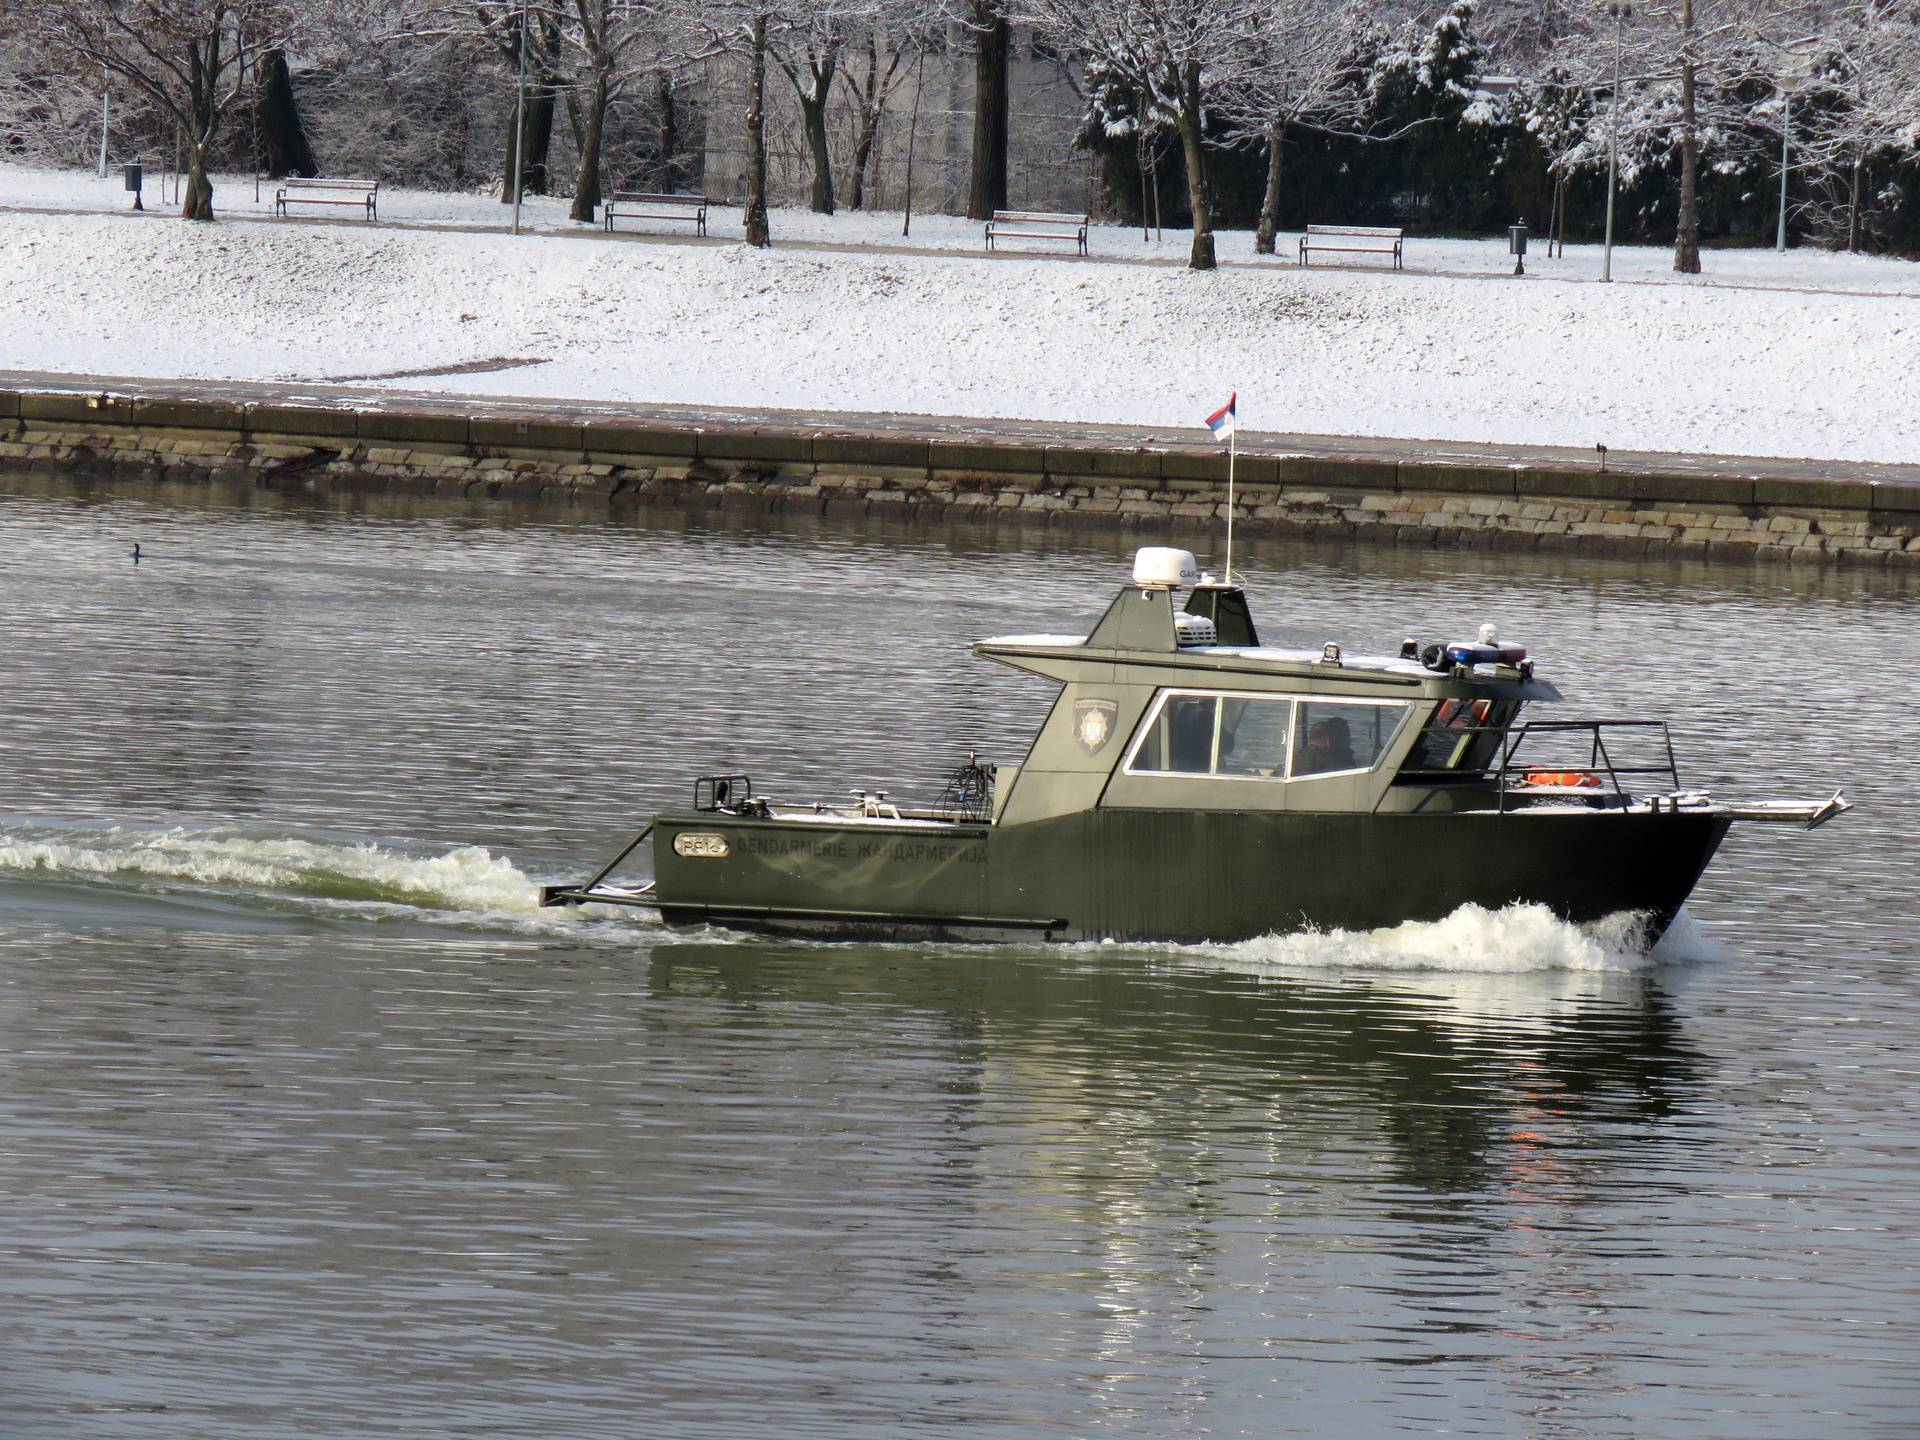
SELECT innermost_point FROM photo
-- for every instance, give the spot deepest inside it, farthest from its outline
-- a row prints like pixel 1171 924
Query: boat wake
pixel 319 878
pixel 1516 939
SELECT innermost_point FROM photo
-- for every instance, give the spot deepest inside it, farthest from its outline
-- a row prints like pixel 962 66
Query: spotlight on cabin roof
pixel 1158 565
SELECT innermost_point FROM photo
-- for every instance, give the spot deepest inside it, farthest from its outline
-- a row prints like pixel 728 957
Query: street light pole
pixel 1786 134
pixel 1621 14
pixel 520 119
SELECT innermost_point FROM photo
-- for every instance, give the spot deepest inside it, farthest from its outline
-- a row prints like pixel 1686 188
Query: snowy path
pixel 1750 368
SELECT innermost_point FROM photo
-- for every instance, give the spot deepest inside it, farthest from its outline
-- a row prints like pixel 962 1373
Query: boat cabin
pixel 1172 702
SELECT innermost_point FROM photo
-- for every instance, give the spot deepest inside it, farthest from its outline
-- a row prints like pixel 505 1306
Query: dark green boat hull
pixel 1174 875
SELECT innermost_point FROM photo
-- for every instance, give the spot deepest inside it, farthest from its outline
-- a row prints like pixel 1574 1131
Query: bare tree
pixel 1697 55
pixel 808 54
pixel 191 58
pixel 605 39
pixel 743 30
pixel 888 44
pixel 50 106
pixel 1297 71
pixel 1171 55
pixel 1866 99
pixel 526 31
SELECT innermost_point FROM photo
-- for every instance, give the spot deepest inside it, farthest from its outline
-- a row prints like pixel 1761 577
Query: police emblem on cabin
pixel 1093 723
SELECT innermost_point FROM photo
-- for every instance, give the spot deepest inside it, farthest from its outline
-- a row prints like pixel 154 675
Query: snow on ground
pixel 1774 364
pixel 1801 269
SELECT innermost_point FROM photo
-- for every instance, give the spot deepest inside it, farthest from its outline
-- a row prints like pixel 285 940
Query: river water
pixel 311 1123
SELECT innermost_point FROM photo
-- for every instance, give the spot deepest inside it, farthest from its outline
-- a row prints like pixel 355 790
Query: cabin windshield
pixel 1462 736
pixel 1263 737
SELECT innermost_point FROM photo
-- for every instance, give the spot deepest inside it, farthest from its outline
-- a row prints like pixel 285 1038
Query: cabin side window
pixel 1234 736
pixel 1331 739
pixel 1248 737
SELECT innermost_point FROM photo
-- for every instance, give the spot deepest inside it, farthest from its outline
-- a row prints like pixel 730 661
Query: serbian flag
pixel 1221 421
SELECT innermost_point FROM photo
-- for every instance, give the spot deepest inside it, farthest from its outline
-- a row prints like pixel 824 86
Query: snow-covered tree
pixel 808 54
pixel 610 43
pixel 191 58
pixel 743 30
pixel 1556 112
pixel 886 45
pixel 1300 70
pixel 1170 56
pixel 1865 101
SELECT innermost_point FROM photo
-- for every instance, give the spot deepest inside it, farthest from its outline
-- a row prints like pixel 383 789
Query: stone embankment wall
pixel 599 460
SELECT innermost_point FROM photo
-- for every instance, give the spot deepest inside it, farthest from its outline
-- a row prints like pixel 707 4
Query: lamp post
pixel 1786 85
pixel 1621 12
pixel 520 119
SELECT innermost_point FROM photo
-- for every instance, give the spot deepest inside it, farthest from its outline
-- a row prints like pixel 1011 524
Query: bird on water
pixel 136 552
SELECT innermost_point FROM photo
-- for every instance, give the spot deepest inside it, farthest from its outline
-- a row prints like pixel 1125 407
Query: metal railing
pixel 1599 762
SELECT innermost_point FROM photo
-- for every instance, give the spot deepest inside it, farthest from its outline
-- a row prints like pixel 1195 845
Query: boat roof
pixel 1277 656
pixel 1149 637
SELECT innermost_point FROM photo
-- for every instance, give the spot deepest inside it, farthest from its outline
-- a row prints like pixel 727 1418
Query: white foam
pixel 1516 939
pixel 1687 943
pixel 468 886
pixel 468 878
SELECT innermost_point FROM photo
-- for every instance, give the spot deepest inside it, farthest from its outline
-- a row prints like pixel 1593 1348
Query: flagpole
pixel 1233 441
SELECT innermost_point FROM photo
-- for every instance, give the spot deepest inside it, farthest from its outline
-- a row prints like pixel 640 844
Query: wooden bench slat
pixel 363 193
pixel 654 205
pixel 1037 225
pixel 1318 236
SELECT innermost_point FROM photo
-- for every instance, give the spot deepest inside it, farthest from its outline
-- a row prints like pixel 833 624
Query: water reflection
pixel 1448 1093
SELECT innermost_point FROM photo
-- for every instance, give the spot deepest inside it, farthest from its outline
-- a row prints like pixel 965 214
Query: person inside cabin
pixel 1191 728
pixel 1329 747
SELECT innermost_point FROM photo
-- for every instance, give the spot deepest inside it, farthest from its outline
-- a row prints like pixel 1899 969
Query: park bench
pixel 362 194
pixel 1353 239
pixel 1037 225
pixel 645 205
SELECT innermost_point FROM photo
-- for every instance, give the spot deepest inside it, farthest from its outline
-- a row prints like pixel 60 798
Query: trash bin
pixel 132 170
pixel 1517 246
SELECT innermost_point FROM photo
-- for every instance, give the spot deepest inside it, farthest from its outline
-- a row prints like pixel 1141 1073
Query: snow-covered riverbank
pixel 1772 363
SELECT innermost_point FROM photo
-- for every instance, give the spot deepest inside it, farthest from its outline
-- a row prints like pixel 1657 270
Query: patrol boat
pixel 1193 784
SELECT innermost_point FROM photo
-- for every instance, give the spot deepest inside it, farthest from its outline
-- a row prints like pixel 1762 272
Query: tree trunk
pixel 535 117
pixel 539 139
pixel 869 104
pixel 284 148
pixel 913 136
pixel 1686 240
pixel 586 185
pixel 204 115
pixel 669 135
pixel 862 157
pixel 1269 225
pixel 993 44
pixel 198 201
pixel 758 232
pixel 813 116
pixel 1853 206
pixel 1198 200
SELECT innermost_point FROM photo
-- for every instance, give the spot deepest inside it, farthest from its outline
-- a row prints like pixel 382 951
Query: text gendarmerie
pixel 931 851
